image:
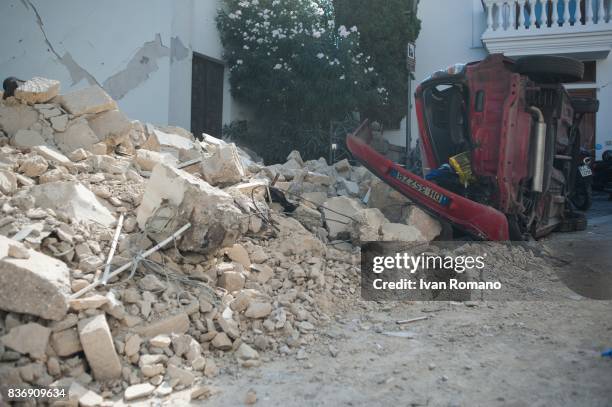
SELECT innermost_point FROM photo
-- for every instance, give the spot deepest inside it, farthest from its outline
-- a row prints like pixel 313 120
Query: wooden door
pixel 587 126
pixel 206 96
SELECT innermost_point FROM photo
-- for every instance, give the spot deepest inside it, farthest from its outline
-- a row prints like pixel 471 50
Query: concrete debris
pixel 29 339
pixel 216 221
pixel 338 213
pixel 239 276
pixel 88 100
pixel 223 166
pixel 37 90
pixel 74 201
pixel 27 138
pixel 38 285
pixel 78 134
pixel 138 391
pixel 97 342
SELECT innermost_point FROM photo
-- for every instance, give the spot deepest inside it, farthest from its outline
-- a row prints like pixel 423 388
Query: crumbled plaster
pixel 178 51
pixel 138 69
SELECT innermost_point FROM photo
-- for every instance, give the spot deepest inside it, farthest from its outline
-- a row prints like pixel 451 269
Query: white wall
pixel 604 94
pixel 140 51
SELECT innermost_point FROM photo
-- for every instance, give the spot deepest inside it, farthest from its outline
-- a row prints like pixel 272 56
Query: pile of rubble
pixel 250 275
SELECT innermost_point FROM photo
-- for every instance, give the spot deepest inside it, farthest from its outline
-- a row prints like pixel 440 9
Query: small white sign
pixel 411 57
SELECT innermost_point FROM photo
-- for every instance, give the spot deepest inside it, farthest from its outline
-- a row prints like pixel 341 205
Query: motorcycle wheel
pixel 583 199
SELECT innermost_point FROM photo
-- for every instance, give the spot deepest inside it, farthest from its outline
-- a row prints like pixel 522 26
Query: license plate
pixel 585 171
pixel 423 189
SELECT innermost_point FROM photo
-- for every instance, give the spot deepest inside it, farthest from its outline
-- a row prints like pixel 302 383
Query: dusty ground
pixel 544 353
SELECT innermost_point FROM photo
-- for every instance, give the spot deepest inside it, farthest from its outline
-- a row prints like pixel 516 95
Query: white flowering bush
pixel 295 68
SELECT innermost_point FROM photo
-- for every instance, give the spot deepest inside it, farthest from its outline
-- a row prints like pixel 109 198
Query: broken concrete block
pixel 147 159
pixel 91 302
pixel 108 164
pixel 258 310
pixel 33 166
pixel 398 232
pixel 221 341
pixel 89 100
pixel 216 221
pixel 39 285
pixel 174 144
pixel 184 377
pixel 59 123
pixel 429 227
pixel 245 352
pixel 132 345
pixel 8 182
pixel 15 117
pixel 366 225
pixel 18 251
pixel 37 90
pixel 112 127
pixel 391 203
pixel 27 138
pixel 77 135
pixel 31 339
pixel 51 155
pixel 160 341
pixel 261 272
pixel 296 156
pixel 338 212
pixel 66 342
pixel 137 391
pixel 79 154
pixel 239 254
pixel 232 280
pixel 73 200
pixel 99 348
pixel 178 324
pixel 223 166
pixel 310 218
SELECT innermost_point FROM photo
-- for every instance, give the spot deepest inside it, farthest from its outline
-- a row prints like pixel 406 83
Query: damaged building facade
pixel 142 53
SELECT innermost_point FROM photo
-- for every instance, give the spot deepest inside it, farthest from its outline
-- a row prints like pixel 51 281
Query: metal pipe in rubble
pixel 540 150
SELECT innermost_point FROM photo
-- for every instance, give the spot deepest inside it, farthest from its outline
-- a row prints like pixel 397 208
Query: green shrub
pixel 296 70
pixel 386 26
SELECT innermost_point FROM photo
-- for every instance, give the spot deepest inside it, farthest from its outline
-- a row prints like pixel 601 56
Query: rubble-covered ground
pixel 254 284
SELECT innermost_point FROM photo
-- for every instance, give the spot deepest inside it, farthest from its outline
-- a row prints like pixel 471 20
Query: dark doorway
pixel 206 96
pixel 587 126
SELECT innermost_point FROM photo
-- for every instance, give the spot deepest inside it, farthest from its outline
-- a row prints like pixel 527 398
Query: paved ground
pixel 544 353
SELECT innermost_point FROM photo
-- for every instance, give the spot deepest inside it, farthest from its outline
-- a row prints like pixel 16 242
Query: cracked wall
pixel 128 48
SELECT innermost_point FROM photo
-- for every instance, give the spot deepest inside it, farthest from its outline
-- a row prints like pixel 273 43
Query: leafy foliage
pixel 386 26
pixel 297 70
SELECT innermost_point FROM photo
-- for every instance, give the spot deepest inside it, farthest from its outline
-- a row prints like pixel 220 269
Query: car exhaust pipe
pixel 540 151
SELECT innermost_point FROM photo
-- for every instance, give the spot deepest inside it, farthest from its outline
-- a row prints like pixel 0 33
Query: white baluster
pixel 490 16
pixel 521 16
pixel 578 14
pixel 588 19
pixel 600 12
pixel 512 16
pixel 555 13
pixel 566 14
pixel 500 15
pixel 532 14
